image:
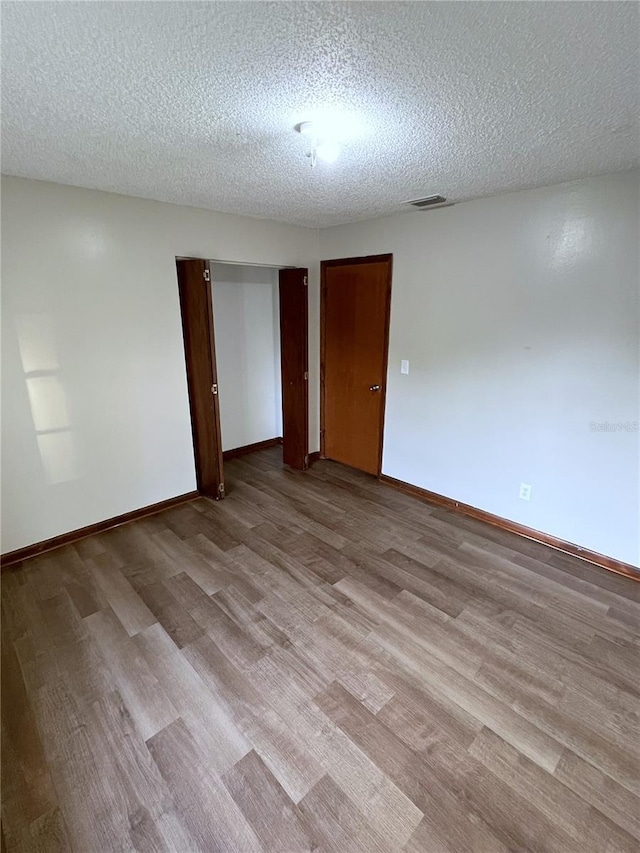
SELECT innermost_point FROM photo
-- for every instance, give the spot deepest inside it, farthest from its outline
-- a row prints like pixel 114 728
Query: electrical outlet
pixel 525 491
pixel 404 366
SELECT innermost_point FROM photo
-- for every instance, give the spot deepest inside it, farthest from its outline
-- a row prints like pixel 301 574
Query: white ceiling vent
pixel 429 201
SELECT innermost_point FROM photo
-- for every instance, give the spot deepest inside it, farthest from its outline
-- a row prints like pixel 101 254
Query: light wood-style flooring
pixel 319 662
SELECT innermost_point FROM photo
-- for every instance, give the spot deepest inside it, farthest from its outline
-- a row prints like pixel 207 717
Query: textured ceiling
pixel 195 103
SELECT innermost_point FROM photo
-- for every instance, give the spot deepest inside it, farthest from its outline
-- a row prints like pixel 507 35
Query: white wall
pixel 95 415
pixel 519 316
pixel 247 331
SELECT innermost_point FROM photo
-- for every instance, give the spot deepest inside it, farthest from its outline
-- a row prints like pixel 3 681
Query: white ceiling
pixel 195 103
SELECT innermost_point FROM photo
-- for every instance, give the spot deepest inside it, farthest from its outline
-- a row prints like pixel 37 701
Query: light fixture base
pixel 320 147
pixel 306 128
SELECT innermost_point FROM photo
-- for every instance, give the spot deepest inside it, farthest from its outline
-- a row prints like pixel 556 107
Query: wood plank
pixel 604 793
pixel 124 601
pixel 566 809
pixel 143 696
pixel 266 806
pixel 412 775
pixel 173 617
pixel 209 813
pixel 199 707
pixel 28 794
pixel 335 822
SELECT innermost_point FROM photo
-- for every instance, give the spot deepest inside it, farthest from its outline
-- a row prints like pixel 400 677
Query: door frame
pixel 208 265
pixel 347 262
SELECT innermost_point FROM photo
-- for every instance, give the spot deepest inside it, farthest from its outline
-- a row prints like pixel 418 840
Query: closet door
pixel 294 357
pixel 196 306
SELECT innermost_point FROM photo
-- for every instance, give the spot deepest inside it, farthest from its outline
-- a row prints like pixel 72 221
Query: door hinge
pixel 214 390
pixel 305 281
pixel 206 275
pixel 306 375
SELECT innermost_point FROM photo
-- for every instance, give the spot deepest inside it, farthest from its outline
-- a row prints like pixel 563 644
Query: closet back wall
pixel 247 330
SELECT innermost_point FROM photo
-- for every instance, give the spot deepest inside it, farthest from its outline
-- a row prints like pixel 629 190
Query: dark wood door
pixel 196 307
pixel 294 359
pixel 356 299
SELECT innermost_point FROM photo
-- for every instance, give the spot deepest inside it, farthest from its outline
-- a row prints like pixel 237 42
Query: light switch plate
pixel 404 366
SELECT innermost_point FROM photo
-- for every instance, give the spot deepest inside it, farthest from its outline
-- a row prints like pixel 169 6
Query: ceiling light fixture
pixel 321 146
pixel 328 151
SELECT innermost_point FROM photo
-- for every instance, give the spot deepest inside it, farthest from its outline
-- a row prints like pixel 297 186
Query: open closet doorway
pixel 245 331
pixel 247 335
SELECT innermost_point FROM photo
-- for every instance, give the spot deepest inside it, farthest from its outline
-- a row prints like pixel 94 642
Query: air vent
pixel 429 201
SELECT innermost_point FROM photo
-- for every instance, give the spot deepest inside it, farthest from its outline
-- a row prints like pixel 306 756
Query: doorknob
pixel 374 388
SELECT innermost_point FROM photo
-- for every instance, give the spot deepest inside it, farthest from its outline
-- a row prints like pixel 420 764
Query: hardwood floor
pixel 318 663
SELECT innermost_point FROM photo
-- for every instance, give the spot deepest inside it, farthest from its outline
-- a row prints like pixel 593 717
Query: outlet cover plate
pixel 525 491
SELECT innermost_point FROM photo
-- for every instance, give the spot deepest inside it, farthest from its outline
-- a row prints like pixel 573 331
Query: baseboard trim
pixel 251 448
pixel 600 560
pixel 13 557
pixel 313 457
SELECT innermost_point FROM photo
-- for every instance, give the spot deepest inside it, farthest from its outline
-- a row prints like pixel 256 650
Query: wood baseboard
pixel 12 558
pixel 251 448
pixel 601 560
pixel 313 457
